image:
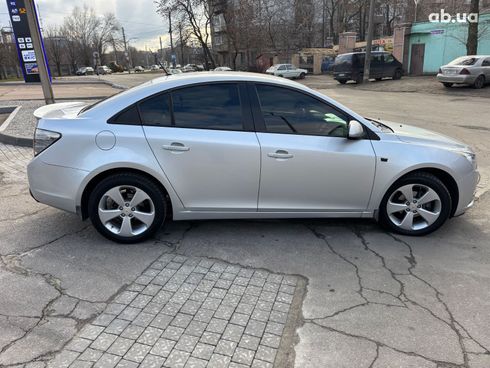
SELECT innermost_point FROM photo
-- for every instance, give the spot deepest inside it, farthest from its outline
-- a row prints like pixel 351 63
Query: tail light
pixel 464 71
pixel 43 139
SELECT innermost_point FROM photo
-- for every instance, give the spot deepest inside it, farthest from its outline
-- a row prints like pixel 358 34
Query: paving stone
pixel 241 281
pixel 153 308
pixel 211 303
pixel 212 276
pixel 133 332
pixel 231 300
pixel 130 313
pixel 279 317
pixel 152 361
pixel 264 305
pixel 275 328
pixel 104 319
pixel 237 290
pixel 177 359
pixel 150 336
pixel 256 281
pixel 81 364
pixel 107 361
pixel 103 341
pixel 151 289
pixel 284 298
pixel 219 361
pixel 287 289
pixel 255 328
pixel 162 297
pixel 210 338
pixel 224 312
pixel 245 308
pixel 63 359
pixel 198 296
pixel 115 308
pixel 187 288
pixel 141 301
pixel 90 332
pixel 173 333
pixel 171 309
pixel 270 340
pixel 137 352
pixel 217 293
pixel 123 363
pixel 249 342
pixel 117 326
pixel 203 351
pixel 136 287
pixel 187 343
pixel 120 346
pixel 163 347
pixel 78 344
pixel 217 325
pixel 196 328
pixel 233 333
pixel 260 315
pixel 240 319
pixel 226 347
pixel 181 320
pixel 126 297
pixel 243 356
pixel 281 307
pixel 266 353
pixel 90 355
pixel 161 321
pixel 204 315
pixel 261 364
pixel 194 362
pixel 271 287
pixel 205 285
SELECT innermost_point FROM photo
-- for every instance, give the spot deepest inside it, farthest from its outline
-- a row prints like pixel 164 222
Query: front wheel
pixel 447 84
pixel 127 208
pixel 417 204
pixel 479 82
pixel 398 74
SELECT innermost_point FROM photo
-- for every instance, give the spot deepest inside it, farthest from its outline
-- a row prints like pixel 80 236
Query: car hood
pixel 59 110
pixel 412 134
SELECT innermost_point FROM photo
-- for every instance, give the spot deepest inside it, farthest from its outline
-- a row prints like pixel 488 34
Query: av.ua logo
pixel 444 17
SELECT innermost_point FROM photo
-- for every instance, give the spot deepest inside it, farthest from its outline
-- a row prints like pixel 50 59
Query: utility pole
pixel 126 54
pixel 323 22
pixel 171 40
pixel 369 42
pixel 38 49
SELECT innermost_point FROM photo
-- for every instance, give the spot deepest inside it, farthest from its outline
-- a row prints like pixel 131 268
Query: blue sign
pixel 23 40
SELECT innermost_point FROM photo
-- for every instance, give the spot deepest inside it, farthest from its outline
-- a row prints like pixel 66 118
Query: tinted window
pixel 464 60
pixel 486 62
pixel 288 111
pixel 389 58
pixel 282 67
pixel 215 106
pixel 129 116
pixel 156 111
pixel 377 58
pixel 343 59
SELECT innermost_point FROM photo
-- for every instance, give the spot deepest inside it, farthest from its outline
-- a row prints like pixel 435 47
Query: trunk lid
pixel 64 110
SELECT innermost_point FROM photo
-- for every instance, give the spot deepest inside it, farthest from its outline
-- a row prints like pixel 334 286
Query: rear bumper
pixel 56 186
pixel 342 75
pixel 458 79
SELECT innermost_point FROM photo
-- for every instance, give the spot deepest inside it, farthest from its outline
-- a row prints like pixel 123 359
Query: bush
pixel 116 68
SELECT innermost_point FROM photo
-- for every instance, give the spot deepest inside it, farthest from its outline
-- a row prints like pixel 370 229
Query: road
pixel 351 294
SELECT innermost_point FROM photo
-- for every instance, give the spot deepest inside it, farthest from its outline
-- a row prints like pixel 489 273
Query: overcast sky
pixel 138 17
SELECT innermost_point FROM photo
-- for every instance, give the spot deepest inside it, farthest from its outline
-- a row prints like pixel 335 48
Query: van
pixel 351 67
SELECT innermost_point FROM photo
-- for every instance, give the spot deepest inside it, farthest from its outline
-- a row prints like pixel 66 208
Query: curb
pixel 10 139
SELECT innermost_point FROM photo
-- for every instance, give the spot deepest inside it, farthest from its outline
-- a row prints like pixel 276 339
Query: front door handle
pixel 281 154
pixel 176 147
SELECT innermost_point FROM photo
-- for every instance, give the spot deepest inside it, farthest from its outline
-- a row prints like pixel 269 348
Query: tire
pixel 479 82
pixel 342 81
pixel 378 79
pixel 122 220
pixel 398 75
pixel 280 75
pixel 447 84
pixel 417 218
pixel 359 78
pixel 302 76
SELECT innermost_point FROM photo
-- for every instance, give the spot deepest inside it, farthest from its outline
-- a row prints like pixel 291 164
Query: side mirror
pixel 356 130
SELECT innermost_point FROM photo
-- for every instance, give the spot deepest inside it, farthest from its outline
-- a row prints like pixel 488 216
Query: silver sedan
pixel 237 146
pixel 473 70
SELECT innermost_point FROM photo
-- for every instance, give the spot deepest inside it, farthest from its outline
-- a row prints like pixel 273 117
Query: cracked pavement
pixel 372 299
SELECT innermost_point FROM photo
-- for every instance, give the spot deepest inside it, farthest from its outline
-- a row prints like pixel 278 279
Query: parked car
pixel 287 71
pixel 139 69
pixel 351 67
pixel 103 69
pixel 184 147
pixel 174 71
pixel 85 70
pixel 155 68
pixel 192 68
pixel 473 70
pixel 223 69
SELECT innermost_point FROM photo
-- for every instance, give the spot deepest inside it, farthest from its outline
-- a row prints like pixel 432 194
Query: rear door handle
pixel 176 147
pixel 280 154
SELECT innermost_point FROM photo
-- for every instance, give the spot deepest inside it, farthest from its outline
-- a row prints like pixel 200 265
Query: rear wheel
pixel 127 208
pixel 342 81
pixel 447 84
pixel 280 75
pixel 359 78
pixel 378 79
pixel 479 82
pixel 417 204
pixel 397 75
pixel 302 76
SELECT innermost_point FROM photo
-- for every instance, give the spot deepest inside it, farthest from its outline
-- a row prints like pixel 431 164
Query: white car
pixel 240 146
pixel 223 69
pixel 287 71
pixel 174 71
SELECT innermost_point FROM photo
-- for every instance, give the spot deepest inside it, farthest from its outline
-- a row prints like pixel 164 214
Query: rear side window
pixel 156 111
pixel 344 59
pixel 389 58
pixel 128 116
pixel 486 62
pixel 215 106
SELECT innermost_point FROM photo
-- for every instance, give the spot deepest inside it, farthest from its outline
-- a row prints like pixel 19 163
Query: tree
pixel 55 47
pixel 198 14
pixel 472 41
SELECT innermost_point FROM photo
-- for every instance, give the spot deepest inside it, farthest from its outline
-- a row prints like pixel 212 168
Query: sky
pixel 142 24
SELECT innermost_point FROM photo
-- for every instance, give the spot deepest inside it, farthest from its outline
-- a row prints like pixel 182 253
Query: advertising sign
pixel 23 40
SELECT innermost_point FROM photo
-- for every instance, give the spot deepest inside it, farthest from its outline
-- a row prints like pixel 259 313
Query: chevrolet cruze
pixel 239 146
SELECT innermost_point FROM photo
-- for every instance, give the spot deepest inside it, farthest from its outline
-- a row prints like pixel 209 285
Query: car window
pixel 486 62
pixel 389 58
pixel 377 58
pixel 215 106
pixel 282 67
pixel 156 111
pixel 464 60
pixel 129 116
pixel 291 67
pixel 293 112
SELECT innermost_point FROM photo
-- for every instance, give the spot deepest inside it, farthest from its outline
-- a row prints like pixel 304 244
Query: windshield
pixel 464 60
pixel 341 59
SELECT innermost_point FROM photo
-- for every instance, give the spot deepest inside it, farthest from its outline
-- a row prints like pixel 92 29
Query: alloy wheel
pixel 126 210
pixel 413 207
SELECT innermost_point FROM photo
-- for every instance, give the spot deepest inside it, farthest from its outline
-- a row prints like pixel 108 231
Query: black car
pixel 351 66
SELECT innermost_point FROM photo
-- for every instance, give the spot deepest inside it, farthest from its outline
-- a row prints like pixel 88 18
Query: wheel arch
pixel 104 174
pixel 443 176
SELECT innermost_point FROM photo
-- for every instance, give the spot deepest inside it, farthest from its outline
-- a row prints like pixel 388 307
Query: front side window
pixel 282 67
pixel 293 112
pixel 215 106
pixel 389 58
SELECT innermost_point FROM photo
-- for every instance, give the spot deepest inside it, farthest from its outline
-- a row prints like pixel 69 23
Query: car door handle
pixel 176 147
pixel 280 154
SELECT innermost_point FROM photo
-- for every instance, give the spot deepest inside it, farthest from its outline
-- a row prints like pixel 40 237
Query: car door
pixel 376 69
pixel 202 136
pixel 308 164
pixel 282 71
pixel 292 72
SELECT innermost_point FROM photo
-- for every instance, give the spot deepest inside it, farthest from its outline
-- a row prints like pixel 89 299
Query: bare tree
pixel 198 14
pixel 472 42
pixel 55 47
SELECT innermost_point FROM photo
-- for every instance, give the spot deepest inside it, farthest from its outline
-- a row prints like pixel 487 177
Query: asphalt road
pixel 371 299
